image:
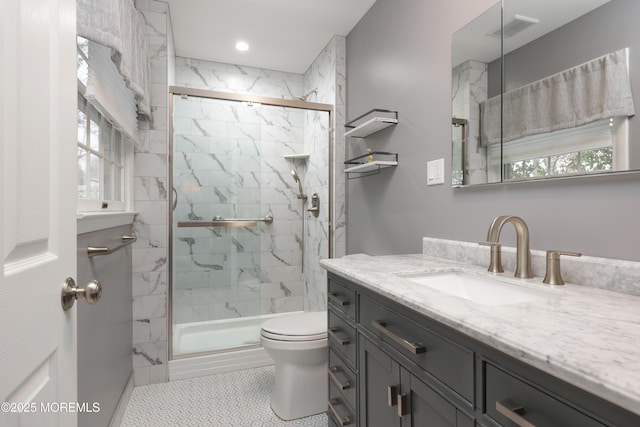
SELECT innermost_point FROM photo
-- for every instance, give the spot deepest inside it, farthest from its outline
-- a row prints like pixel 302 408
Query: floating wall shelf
pixel 371 122
pixel 359 167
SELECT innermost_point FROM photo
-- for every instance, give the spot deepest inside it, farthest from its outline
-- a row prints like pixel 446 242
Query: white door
pixel 37 212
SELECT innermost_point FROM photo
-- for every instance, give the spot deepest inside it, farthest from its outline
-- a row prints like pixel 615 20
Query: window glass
pixel 582 150
pixel 83 158
pixel 100 156
pixel 101 164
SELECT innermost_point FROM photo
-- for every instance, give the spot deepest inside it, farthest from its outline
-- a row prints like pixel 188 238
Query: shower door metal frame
pixel 249 98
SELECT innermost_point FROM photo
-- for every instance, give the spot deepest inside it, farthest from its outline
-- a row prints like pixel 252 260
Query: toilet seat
pixel 298 327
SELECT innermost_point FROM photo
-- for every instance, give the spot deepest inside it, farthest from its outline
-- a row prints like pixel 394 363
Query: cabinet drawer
pixel 340 412
pixel 342 337
pixel 342 299
pixel 445 360
pixel 342 378
pixel 523 403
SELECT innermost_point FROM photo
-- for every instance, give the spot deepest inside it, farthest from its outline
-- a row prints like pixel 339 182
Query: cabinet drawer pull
pixel 415 348
pixel 343 420
pixel 392 396
pixel 513 411
pixel 402 405
pixel 338 300
pixel 333 370
pixel 334 336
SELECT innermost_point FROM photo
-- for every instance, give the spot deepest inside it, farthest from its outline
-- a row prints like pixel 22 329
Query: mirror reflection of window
pixel 588 149
pixel 554 42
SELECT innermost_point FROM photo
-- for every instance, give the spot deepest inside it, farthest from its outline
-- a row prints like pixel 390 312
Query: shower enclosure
pixel 237 237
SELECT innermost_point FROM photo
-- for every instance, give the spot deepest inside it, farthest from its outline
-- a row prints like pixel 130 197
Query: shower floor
pixel 239 398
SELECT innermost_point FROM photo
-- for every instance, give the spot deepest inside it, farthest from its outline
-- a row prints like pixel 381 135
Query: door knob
pixel 70 293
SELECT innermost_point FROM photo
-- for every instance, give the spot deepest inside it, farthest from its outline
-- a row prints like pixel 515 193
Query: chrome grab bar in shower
pixel 103 250
pixel 218 221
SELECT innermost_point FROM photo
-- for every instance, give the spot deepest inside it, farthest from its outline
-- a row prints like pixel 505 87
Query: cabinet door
pixel 424 407
pixel 379 381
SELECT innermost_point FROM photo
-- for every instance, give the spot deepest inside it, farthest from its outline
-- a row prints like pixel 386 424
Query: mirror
pixel 508 125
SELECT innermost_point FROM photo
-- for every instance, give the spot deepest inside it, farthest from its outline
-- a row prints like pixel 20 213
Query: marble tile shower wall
pixel 327 74
pixel 228 161
pixel 217 76
pixel 150 349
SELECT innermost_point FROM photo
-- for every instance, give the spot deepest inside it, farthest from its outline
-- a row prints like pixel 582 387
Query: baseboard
pixel 218 363
pixel 121 408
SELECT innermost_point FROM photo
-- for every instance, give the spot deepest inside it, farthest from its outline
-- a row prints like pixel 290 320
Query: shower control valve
pixel 315 205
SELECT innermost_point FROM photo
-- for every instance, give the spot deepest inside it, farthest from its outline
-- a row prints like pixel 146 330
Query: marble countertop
pixel 585 336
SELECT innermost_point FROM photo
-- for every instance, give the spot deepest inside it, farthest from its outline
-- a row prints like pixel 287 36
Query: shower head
pixel 296 178
pixel 305 97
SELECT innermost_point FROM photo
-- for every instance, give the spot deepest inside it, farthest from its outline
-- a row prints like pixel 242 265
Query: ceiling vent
pixel 517 24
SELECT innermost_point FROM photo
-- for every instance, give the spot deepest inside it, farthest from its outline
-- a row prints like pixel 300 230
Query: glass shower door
pixel 216 264
pixel 230 264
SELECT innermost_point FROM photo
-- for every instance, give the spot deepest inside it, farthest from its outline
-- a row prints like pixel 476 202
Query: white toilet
pixel 298 345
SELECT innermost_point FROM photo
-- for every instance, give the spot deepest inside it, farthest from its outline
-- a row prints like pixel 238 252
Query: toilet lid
pixel 296 327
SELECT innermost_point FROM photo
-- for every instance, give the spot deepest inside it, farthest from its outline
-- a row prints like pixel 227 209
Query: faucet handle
pixel 552 275
pixel 495 262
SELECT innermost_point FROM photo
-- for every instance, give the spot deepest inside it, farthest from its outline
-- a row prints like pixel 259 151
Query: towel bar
pixel 103 250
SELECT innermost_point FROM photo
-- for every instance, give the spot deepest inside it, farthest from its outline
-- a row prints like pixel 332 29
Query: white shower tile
pixel 151 353
pixel 152 259
pixel 156 23
pixel 158 329
pixel 152 212
pixel 141 376
pixel 158 236
pixel 141 331
pixel 149 306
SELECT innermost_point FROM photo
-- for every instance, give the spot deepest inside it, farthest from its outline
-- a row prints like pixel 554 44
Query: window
pixel 103 149
pixel 100 161
pixel 596 147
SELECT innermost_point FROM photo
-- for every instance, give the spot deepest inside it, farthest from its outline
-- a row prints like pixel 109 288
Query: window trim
pixel 92 206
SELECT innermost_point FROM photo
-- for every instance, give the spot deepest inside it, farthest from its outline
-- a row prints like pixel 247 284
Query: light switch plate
pixel 435 172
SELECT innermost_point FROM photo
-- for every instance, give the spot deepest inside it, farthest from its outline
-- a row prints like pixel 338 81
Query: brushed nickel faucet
pixel 523 254
pixel 552 275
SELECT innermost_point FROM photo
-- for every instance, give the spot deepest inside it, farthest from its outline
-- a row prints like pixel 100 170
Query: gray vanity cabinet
pixel 391 396
pixel 387 392
pixel 379 385
pixel 391 366
pixel 342 372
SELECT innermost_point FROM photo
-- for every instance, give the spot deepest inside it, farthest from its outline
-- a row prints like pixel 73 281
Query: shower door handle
pixel 218 221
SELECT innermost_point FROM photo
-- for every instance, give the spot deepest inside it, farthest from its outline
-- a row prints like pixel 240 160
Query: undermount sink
pixel 479 289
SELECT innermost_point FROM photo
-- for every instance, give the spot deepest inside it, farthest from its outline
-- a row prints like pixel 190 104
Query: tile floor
pixel 238 398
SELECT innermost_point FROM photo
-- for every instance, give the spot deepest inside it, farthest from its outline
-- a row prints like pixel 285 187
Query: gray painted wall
pixel 399 58
pixel 104 328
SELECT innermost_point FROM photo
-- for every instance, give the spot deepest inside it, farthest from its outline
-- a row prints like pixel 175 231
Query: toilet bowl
pixel 298 345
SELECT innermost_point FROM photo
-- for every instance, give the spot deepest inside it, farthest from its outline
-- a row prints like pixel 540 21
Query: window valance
pixel 592 91
pixel 117 24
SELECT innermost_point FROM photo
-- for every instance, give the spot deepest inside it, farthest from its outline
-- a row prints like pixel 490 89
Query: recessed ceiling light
pixel 242 46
